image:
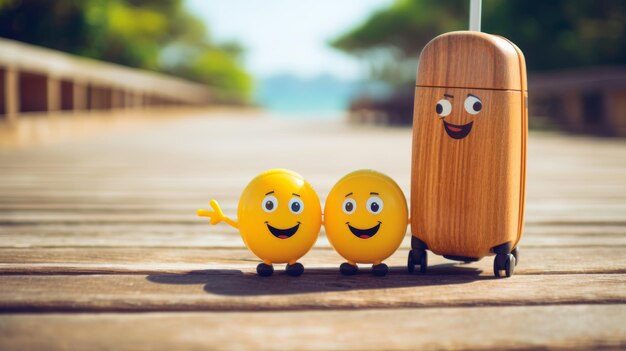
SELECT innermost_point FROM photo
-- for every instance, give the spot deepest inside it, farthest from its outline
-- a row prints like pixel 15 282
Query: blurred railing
pixel 589 100
pixel 585 100
pixel 39 80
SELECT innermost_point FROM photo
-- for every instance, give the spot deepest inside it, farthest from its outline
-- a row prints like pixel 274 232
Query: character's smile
pixel 364 233
pixel 456 131
pixel 283 233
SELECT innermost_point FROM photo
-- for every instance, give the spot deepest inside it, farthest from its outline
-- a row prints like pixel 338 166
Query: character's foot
pixel 264 269
pixel 295 269
pixel 380 270
pixel 348 269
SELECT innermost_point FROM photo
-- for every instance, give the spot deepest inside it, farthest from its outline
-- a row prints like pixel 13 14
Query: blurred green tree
pixel 553 34
pixel 158 35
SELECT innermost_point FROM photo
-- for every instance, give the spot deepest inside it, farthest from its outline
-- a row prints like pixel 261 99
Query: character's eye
pixel 349 206
pixel 270 203
pixel 473 105
pixel 296 205
pixel 374 204
pixel 443 108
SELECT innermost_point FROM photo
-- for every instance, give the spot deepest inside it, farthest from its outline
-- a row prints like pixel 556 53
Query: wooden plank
pixel 201 235
pixel 233 290
pixel 528 327
pixel 114 199
pixel 547 182
pixel 580 157
pixel 598 216
pixel 117 232
pixel 183 210
pixel 28 134
pixel 14 205
pixel 142 260
pixel 601 163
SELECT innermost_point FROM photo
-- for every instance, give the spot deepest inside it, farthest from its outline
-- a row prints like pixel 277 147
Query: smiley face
pixel 472 105
pixel 365 216
pixel 279 216
pixel 295 205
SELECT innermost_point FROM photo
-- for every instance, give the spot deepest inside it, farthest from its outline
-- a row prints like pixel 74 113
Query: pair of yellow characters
pixel 279 218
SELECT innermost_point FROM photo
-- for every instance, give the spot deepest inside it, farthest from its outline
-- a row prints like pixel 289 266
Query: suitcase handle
pixel 474 18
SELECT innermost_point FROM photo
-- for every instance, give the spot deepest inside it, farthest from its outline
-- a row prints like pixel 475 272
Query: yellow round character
pixel 279 217
pixel 365 217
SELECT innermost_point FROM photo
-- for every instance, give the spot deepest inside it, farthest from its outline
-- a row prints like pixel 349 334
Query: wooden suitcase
pixel 470 126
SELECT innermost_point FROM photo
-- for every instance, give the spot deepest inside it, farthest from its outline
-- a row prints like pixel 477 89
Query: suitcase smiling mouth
pixel 456 131
pixel 283 233
pixel 364 233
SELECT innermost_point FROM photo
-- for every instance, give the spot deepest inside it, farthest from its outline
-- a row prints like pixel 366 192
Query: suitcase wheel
pixel 515 253
pixel 504 262
pixel 417 257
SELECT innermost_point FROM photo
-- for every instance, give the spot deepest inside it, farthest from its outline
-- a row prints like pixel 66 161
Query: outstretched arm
pixel 216 215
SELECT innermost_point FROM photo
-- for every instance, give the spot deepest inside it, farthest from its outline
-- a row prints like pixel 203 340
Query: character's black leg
pixel 380 269
pixel 348 269
pixel 504 260
pixel 264 270
pixel 295 269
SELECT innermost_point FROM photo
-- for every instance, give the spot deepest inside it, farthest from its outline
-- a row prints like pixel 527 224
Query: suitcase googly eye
pixel 349 206
pixel 443 108
pixel 374 205
pixel 472 104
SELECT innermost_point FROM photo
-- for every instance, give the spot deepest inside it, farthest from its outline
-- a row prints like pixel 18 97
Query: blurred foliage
pixel 158 35
pixel 553 34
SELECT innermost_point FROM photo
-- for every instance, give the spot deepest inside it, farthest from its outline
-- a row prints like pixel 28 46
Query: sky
pixel 288 36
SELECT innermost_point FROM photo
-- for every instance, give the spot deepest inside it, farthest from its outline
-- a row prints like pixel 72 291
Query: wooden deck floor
pixel 100 247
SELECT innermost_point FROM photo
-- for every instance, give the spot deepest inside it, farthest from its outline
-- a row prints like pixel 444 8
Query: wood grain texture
pixel 160 235
pixel 92 226
pixel 466 59
pixel 465 194
pixel 322 288
pixel 141 260
pixel 477 328
pixel 468 173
